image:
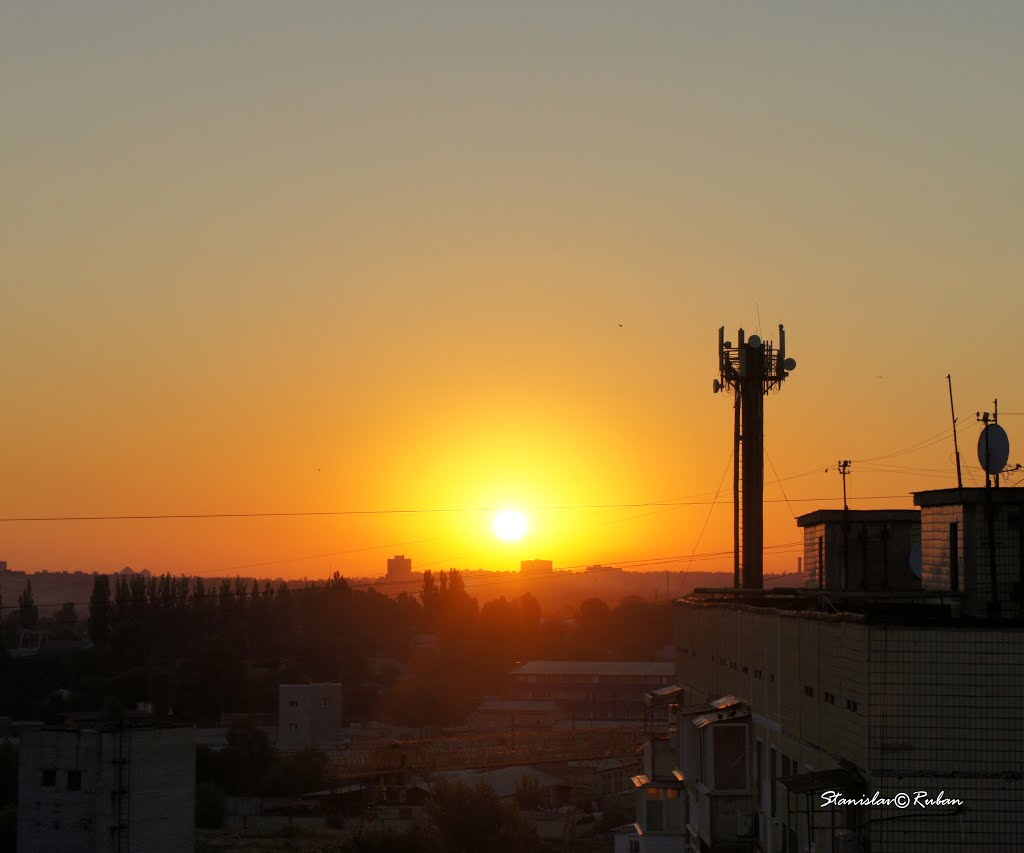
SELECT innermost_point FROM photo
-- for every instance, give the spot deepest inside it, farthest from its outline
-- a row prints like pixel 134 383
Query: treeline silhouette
pixel 196 649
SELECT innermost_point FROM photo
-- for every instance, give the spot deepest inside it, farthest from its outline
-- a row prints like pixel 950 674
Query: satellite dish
pixel 717 386
pixel 914 559
pixel 993 448
pixel 753 342
pixel 789 364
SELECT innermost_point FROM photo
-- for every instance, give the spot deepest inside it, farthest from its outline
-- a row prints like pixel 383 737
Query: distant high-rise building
pixel 530 566
pixel 399 568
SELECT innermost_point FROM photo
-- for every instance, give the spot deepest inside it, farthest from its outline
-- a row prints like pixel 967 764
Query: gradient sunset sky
pixel 445 257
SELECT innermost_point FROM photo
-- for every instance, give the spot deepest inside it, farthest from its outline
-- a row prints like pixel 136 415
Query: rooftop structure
pixel 874 549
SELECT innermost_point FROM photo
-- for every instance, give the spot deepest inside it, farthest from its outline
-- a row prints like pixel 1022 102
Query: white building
pixel 855 714
pixel 103 788
pixel 309 716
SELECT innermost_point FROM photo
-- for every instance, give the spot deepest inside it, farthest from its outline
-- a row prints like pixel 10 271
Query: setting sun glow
pixel 510 525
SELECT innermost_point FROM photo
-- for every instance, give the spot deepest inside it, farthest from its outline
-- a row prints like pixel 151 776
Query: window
pixel 655 810
pixel 808 691
pixel 730 757
pixel 74 780
pixel 49 777
pixel 759 774
pixel 293 703
pixel 325 701
pixel 954 557
pixel 851 705
pixel 664 809
pixel 830 698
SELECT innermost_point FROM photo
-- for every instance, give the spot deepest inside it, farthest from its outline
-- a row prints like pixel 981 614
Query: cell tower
pixel 750 369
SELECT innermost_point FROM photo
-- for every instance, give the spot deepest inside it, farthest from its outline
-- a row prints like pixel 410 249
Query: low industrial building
pixel 593 693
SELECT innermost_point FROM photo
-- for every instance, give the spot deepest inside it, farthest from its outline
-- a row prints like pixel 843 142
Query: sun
pixel 510 525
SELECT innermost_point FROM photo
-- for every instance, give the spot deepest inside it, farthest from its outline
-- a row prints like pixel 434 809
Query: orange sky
pixel 261 259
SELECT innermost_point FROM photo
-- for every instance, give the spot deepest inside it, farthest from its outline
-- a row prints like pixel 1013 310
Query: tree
pixel 28 612
pixel 468 819
pixel 66 615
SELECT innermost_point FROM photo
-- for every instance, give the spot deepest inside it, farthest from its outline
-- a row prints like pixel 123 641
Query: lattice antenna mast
pixel 750 369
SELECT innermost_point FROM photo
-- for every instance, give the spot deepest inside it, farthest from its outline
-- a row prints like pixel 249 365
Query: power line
pixel 675 502
pixel 710 510
pixel 778 480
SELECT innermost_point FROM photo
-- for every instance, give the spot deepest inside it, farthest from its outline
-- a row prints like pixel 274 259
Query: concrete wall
pixel 309 716
pixel 946 716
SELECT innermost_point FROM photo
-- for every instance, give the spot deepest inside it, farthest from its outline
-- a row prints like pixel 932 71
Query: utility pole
pixel 956 447
pixel 750 370
pixel 843 467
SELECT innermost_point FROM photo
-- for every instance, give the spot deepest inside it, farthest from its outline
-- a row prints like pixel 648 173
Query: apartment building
pixel 876 709
pixel 106 788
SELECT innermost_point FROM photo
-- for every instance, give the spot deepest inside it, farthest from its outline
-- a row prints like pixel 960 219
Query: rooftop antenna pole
pixel 986 462
pixel 993 453
pixel 750 370
pixel 995 420
pixel 956 447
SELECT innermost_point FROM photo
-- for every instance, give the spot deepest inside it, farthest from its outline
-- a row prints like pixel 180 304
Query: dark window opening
pixel 954 557
pixel 730 745
pixel 74 780
pixel 49 778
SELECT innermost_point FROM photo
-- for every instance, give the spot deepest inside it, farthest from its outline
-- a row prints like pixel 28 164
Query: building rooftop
pixel 947 497
pixel 915 607
pixel 877 516
pixel 511 705
pixel 590 667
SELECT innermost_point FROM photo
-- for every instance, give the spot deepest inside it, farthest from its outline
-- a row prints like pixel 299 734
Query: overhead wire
pixel 657 507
